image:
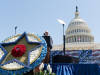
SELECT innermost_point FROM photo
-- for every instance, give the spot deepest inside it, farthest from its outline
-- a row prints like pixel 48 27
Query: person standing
pixel 47 58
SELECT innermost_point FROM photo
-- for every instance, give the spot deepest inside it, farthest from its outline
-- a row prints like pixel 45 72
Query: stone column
pixel 79 37
pixel 68 39
pixel 82 38
pixel 76 38
pixel 87 38
pixel 91 39
pixel 71 39
pixel 65 40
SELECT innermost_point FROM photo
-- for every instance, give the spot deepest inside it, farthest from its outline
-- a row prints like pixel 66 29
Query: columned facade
pixel 73 39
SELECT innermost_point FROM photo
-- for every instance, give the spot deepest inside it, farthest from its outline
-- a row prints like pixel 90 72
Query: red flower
pixel 18 50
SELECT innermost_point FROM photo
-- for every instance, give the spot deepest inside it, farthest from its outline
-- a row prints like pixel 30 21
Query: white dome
pixel 78 31
pixel 77 21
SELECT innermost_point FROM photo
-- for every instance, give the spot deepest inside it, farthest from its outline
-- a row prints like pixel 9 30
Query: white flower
pixel 45 72
pixel 48 67
pixel 50 70
pixel 41 66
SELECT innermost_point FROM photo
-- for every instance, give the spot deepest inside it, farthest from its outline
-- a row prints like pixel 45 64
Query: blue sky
pixel 37 16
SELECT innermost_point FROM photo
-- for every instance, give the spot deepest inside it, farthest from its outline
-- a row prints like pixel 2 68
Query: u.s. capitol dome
pixel 78 36
pixel 78 31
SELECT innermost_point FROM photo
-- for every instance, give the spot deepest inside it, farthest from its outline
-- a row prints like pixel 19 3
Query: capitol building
pixel 78 36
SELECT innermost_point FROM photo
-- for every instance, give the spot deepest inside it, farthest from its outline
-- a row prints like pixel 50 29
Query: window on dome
pixel 73 31
pixel 77 30
pixel 82 30
pixel 69 32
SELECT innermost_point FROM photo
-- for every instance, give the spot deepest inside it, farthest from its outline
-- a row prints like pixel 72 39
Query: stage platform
pixel 84 56
pixel 74 69
pixel 89 63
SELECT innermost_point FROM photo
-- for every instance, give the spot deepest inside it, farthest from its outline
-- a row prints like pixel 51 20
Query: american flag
pixel 79 39
pixel 85 56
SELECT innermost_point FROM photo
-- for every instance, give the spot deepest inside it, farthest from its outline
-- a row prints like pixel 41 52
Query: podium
pixel 49 47
pixel 48 41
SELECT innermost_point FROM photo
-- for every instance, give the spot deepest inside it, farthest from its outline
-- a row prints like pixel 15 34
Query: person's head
pixel 46 33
